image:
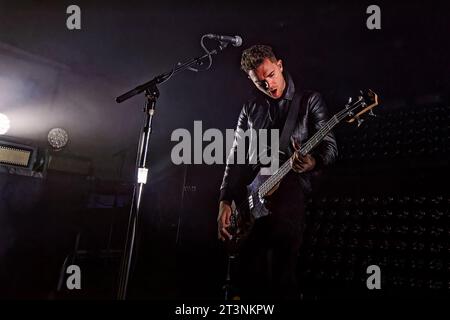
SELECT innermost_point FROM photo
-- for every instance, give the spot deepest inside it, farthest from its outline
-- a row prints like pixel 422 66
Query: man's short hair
pixel 255 55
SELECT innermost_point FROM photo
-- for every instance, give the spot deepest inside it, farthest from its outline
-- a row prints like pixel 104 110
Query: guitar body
pixel 249 209
pixel 255 203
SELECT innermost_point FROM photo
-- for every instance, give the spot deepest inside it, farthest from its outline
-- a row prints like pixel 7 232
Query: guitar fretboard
pixel 275 178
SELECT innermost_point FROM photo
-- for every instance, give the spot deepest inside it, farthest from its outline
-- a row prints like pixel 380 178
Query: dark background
pixel 385 201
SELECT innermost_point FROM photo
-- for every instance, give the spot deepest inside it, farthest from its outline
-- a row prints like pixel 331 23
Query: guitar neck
pixel 273 180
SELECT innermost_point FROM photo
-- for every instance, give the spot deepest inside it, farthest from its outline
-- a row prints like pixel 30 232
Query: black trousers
pixel 268 258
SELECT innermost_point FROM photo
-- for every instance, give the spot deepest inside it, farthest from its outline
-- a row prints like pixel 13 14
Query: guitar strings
pixel 285 168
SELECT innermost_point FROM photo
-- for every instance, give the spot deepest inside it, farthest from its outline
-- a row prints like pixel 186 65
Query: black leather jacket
pixel 255 114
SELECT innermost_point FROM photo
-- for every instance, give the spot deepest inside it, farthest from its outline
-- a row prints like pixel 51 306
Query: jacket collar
pixel 290 87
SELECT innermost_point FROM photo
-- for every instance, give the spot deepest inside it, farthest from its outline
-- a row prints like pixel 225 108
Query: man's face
pixel 268 77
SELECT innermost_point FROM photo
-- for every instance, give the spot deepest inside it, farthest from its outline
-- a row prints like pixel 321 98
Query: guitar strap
pixel 291 121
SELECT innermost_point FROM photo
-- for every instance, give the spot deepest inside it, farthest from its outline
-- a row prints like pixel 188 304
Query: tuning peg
pixel 349 102
pixel 361 96
pixel 359 120
pixel 371 113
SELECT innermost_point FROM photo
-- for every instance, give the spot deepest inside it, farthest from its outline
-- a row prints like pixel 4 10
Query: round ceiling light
pixel 58 138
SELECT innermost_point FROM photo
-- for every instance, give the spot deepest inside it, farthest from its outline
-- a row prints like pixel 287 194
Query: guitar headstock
pixel 364 103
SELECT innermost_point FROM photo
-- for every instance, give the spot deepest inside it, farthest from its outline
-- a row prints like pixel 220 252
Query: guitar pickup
pixel 250 202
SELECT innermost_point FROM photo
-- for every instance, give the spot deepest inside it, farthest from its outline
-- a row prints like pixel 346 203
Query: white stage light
pixel 4 123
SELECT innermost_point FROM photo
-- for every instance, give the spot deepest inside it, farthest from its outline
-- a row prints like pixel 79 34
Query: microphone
pixel 236 41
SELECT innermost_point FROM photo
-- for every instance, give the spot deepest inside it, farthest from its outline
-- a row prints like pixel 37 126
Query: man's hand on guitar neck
pixel 223 220
pixel 301 163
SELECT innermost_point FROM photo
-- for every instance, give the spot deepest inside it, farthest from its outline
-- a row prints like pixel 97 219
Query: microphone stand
pixel 151 92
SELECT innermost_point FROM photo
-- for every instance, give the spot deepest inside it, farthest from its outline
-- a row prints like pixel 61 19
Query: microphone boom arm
pixel 166 75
